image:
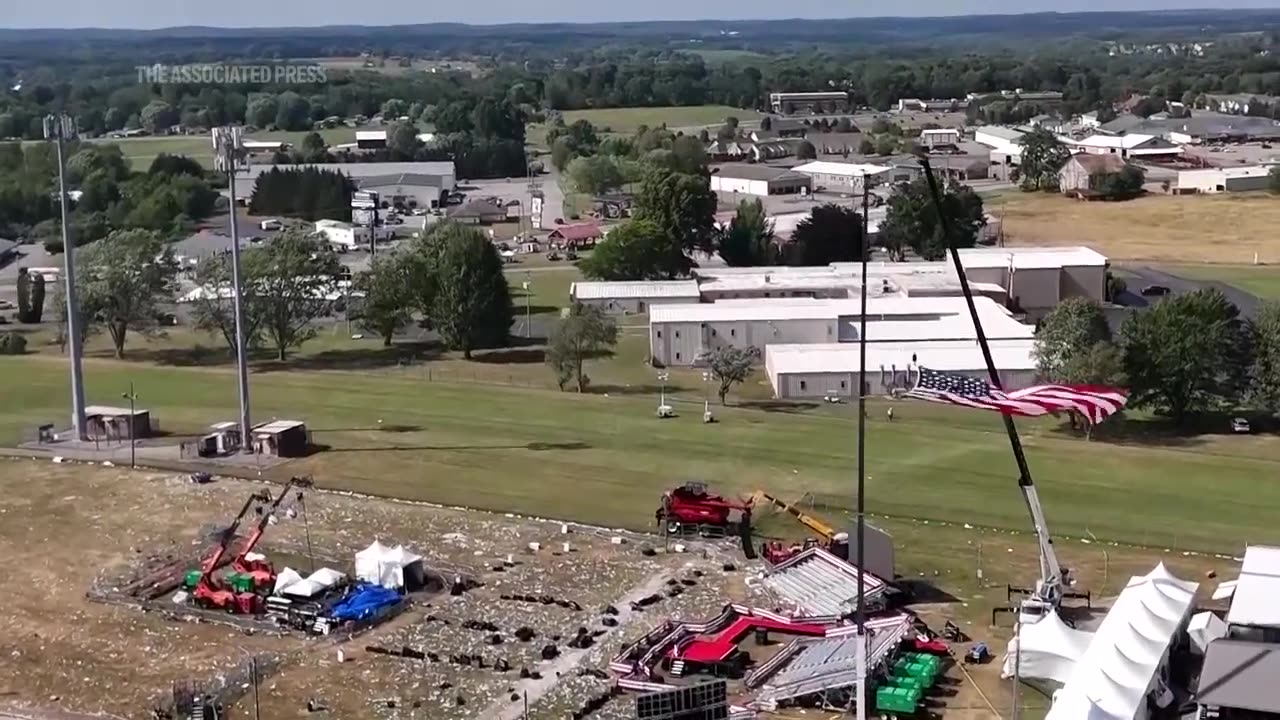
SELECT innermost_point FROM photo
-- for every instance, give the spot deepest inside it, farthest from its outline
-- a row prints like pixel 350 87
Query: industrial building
pixel 939 137
pixel 840 177
pixel 758 180
pixel 682 334
pixel 633 297
pixel 1229 179
pixel 815 103
pixel 420 181
pixel 798 371
pixel 1134 146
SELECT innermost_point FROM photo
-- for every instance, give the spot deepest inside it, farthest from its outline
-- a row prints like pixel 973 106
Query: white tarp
pixel 1204 628
pixel 1050 649
pixel 286 578
pixel 1112 678
pixel 389 567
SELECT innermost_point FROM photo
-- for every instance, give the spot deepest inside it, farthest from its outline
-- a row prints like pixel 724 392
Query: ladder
pixel 677 667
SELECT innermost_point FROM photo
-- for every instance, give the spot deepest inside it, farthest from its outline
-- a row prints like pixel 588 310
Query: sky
pixel 277 13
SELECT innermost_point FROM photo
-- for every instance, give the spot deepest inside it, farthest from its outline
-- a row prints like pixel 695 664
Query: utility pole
pixel 132 397
pixel 59 128
pixel 860 555
pixel 528 283
pixel 228 151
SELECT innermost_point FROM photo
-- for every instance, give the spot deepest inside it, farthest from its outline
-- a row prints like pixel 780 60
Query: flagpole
pixel 860 554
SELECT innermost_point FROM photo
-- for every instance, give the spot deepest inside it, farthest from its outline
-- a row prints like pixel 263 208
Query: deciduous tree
pixel 806 151
pixel 1186 355
pixel 595 175
pixel 387 291
pixel 730 366
pixel 911 221
pixel 1264 372
pixel 213 308
pixel 1043 155
pixel 682 206
pixel 831 233
pixel 635 250
pixel 298 271
pixel 472 307
pixel 582 334
pixel 748 239
pixel 123 279
pixel 1070 330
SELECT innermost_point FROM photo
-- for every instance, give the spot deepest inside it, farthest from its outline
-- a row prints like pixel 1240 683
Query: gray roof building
pixel 1241 675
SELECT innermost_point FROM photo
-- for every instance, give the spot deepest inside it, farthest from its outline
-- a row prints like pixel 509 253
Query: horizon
pixel 334 14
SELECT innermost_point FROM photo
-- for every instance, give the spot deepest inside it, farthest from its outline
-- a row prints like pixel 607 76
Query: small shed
pixel 104 422
pixel 282 438
pixel 222 439
pixel 1082 172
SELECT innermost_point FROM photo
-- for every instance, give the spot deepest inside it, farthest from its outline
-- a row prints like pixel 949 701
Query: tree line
pixel 1186 357
pixel 170 197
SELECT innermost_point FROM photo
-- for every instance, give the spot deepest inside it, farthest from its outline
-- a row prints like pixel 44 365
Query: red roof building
pixel 578 235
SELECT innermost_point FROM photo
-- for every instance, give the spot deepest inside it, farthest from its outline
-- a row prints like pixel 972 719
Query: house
pixel 760 180
pixel 577 235
pixel 478 212
pixel 371 139
pixel 933 106
pixel 1082 173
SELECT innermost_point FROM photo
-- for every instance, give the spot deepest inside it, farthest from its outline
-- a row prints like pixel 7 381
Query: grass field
pixel 605 459
pixel 140 151
pixel 628 120
pixel 1260 280
pixel 1157 228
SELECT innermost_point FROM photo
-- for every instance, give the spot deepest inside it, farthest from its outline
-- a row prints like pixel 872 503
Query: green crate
pixel 192 578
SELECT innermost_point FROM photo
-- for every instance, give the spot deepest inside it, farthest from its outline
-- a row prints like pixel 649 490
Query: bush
pixel 12 343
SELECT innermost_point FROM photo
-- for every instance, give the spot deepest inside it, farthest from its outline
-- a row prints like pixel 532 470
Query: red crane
pixel 206 593
pixel 260 568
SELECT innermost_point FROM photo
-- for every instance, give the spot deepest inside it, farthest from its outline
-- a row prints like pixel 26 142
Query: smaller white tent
pixel 291 583
pixel 1204 628
pixel 393 568
pixel 1050 649
pixel 286 578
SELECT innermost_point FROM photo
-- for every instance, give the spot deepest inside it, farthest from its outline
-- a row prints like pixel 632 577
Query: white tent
pixel 1113 677
pixel 1204 628
pixel 1049 650
pixel 291 583
pixel 286 578
pixel 389 567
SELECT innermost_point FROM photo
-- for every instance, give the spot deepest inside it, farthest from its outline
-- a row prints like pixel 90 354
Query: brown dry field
pixel 60 525
pixel 1155 228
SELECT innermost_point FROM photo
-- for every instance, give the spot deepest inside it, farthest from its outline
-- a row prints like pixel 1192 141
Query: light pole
pixel 528 283
pixel 228 148
pixel 132 397
pixel 253 677
pixel 59 128
pixel 861 615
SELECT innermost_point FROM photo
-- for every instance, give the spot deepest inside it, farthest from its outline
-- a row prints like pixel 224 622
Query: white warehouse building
pixel 633 297
pixel 1228 179
pixel 817 371
pixel 758 180
pixel 681 335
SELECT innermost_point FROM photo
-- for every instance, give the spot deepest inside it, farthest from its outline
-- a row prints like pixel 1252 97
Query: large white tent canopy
pixel 391 567
pixel 1122 664
pixel 1045 650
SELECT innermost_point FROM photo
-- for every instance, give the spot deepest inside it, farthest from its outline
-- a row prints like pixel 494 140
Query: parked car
pixel 1240 425
pixel 1156 291
pixel 6 305
pixel 271 225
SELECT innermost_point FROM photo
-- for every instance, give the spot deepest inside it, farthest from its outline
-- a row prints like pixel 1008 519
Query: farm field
pixel 1158 228
pixel 602 458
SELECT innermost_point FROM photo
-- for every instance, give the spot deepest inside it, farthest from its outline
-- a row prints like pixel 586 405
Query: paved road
pixel 1145 275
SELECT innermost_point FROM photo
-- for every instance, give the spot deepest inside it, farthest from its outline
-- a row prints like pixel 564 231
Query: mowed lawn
pixel 1159 228
pixel 140 151
pixel 606 459
pixel 1260 280
pixel 627 120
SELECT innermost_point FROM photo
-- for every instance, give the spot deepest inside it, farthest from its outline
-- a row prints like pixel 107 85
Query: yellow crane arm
pixel 823 530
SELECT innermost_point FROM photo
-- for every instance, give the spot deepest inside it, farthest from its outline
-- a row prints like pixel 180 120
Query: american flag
pixel 1094 402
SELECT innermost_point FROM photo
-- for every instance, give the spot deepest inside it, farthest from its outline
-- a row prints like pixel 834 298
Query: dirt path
pixel 568 661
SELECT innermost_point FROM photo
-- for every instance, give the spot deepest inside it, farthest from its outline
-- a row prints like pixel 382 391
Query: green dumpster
pixel 898 700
